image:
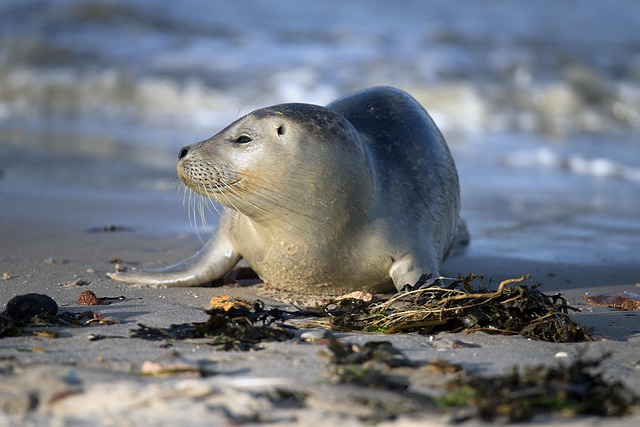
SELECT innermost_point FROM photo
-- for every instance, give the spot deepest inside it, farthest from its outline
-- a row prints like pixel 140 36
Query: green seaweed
pixel 520 394
pixel 239 328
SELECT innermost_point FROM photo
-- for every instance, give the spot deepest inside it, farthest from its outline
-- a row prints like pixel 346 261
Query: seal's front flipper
pixel 406 272
pixel 211 262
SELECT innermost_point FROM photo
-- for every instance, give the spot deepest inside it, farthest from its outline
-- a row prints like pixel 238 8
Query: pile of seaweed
pixel 233 324
pixel 568 390
pixel 463 305
pixel 520 394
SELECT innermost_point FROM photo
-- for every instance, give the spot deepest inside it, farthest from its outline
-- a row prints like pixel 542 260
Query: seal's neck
pixel 314 203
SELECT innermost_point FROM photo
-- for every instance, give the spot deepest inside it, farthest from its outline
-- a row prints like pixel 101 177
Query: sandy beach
pixel 53 233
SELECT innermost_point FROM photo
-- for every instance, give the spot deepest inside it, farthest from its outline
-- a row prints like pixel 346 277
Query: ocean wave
pixel 191 63
pixel 573 163
pixel 556 109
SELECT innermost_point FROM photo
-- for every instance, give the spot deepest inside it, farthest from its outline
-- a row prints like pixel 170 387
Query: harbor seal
pixel 361 194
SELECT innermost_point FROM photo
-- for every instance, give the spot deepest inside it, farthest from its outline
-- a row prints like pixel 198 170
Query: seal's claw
pixel 406 288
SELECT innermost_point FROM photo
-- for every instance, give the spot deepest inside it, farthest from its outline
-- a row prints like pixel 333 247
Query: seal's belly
pixel 325 269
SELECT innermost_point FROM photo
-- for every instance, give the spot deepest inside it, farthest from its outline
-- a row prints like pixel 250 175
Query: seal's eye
pixel 281 130
pixel 243 139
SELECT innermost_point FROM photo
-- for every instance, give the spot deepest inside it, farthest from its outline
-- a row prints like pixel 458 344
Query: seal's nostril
pixel 183 152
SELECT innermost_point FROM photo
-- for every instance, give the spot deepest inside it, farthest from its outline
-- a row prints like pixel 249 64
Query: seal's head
pixel 289 159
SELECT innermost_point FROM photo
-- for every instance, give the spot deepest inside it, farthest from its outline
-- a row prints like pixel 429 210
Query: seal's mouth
pixel 206 178
pixel 212 186
pixel 224 187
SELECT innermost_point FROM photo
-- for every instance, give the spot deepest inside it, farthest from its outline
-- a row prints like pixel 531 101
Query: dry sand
pixel 46 218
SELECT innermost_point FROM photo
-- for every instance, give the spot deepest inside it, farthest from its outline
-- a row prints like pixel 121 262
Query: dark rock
pixel 24 307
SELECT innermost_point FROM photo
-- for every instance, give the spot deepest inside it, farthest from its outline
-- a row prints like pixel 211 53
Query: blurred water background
pixel 540 100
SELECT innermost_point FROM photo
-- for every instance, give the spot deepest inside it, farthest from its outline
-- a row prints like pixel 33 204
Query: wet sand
pixel 51 204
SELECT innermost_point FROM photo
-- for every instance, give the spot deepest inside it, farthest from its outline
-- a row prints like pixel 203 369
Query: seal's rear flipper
pixel 461 238
pixel 210 263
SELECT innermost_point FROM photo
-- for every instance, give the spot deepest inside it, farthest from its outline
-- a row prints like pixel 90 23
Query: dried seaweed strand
pixel 416 318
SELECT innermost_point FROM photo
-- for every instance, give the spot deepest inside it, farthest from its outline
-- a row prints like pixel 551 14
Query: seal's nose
pixel 183 153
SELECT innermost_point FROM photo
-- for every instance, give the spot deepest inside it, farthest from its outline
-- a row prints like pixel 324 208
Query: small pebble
pixel 52 261
pixel 6 276
pixel 462 344
pixel 106 320
pixel 228 303
pixel 172 365
pixel 315 335
pixel 364 296
pixel 110 320
pixel 89 298
pixel 75 283
pixel 562 355
pixel 70 376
